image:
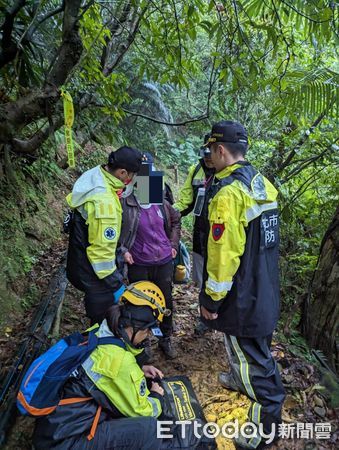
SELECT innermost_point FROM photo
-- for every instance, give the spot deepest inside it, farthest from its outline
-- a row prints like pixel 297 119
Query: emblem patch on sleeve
pixel 109 233
pixel 217 230
pixel 143 387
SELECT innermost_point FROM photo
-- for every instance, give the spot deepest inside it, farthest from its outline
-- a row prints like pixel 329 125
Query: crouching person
pixel 107 404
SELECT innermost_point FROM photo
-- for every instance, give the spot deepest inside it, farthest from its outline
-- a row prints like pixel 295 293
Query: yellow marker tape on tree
pixel 69 119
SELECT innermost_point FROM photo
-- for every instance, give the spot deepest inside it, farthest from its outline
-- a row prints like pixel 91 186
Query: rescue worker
pixel 149 242
pixel 199 179
pixel 240 293
pixel 119 411
pixel 95 229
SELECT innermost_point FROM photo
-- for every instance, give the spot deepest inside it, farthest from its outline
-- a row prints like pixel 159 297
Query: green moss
pixel 31 222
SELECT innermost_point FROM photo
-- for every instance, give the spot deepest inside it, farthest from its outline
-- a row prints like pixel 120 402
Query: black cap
pixel 228 131
pixel 127 158
pixel 147 158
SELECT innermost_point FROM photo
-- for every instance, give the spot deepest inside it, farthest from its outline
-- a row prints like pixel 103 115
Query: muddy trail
pixel 200 358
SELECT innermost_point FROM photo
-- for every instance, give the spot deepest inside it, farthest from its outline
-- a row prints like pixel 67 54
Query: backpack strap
pixel 111 340
pixel 94 424
pixel 196 170
pixel 245 174
pixel 107 340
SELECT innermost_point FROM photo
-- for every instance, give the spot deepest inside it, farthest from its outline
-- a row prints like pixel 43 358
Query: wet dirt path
pixel 200 358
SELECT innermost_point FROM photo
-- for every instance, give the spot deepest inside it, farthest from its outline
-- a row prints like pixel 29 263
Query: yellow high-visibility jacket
pixel 96 229
pixel 195 179
pixel 115 372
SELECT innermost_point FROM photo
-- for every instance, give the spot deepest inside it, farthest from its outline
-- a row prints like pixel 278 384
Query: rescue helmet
pixel 144 304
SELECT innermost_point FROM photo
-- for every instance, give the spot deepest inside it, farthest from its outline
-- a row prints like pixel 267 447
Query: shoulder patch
pixel 217 230
pixel 143 387
pixel 258 187
pixel 110 233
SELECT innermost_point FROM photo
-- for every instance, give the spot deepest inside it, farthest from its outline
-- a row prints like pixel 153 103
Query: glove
pixel 117 294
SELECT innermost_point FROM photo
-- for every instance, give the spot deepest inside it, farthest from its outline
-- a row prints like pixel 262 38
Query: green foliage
pixel 270 65
pixel 297 346
pixel 31 297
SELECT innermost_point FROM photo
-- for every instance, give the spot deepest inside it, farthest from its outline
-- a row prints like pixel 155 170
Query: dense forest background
pixel 156 75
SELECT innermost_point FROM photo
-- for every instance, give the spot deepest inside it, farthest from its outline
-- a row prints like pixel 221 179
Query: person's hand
pixel 207 314
pixel 152 372
pixel 157 388
pixel 174 253
pixel 128 258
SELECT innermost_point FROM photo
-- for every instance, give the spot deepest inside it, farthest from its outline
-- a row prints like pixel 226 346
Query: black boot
pixel 227 381
pixel 200 329
pixel 165 345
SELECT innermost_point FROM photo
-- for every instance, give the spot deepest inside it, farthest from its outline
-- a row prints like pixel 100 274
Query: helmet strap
pixel 125 336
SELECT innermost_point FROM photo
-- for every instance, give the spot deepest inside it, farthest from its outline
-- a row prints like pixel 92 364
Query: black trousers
pixel 257 376
pixel 162 276
pixel 137 433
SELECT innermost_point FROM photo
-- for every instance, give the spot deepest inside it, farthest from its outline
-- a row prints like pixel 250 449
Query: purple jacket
pixel 130 221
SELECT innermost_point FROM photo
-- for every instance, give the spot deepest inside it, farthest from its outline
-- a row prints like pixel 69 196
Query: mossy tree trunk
pixel 320 318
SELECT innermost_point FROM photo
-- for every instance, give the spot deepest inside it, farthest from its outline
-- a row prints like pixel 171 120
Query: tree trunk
pixel 320 316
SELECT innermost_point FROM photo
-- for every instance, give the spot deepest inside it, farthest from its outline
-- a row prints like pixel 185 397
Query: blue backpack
pixel 41 388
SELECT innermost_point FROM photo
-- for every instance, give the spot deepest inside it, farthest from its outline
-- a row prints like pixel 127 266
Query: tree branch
pixel 288 57
pixel 303 166
pixel 302 14
pixel 124 48
pixel 134 17
pixel 9 47
pixel 303 188
pixel 163 122
pixel 71 46
pixel 178 31
pixel 34 26
pixel 301 142
pixel 14 116
pixel 32 144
